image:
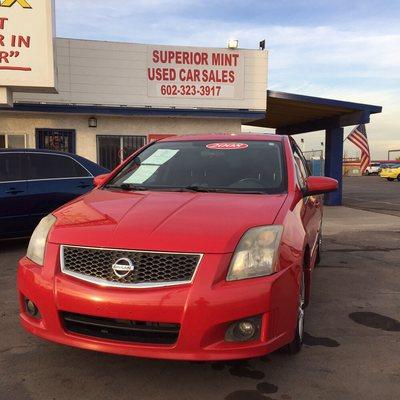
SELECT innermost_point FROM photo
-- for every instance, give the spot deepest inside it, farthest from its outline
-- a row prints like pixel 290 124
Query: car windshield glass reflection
pixel 206 166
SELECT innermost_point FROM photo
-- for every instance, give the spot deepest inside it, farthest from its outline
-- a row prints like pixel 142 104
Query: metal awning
pixel 290 113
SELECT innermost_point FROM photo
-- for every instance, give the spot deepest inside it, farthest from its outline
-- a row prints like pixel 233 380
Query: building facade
pixel 115 97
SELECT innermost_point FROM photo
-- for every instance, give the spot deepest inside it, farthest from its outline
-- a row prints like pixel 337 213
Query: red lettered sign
pixel 227 146
pixel 185 72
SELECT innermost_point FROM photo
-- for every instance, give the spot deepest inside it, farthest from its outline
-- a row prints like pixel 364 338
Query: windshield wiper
pixel 195 188
pixel 191 188
pixel 127 187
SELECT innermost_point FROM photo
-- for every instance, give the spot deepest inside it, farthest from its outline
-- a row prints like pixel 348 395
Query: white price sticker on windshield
pixel 143 173
pixel 160 156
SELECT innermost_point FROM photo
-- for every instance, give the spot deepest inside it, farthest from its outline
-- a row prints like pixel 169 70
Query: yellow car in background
pixel 390 174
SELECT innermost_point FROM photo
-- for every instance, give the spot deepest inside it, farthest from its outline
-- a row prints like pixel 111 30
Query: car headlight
pixel 256 253
pixel 37 244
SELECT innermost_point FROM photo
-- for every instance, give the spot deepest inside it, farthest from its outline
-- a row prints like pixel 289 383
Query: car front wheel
pixel 398 177
pixel 297 343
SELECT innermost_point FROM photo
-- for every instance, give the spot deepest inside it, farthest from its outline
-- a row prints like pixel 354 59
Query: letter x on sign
pixel 10 3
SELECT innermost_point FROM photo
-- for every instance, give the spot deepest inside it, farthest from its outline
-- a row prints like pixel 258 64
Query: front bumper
pixel 204 309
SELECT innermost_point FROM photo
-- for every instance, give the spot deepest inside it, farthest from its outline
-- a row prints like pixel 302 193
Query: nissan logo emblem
pixel 123 267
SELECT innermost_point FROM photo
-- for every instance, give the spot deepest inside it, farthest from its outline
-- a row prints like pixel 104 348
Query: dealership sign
pixel 195 73
pixel 26 45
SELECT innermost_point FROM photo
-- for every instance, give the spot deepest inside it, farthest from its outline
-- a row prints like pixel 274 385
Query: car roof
pixel 231 137
pixel 63 153
pixel 91 166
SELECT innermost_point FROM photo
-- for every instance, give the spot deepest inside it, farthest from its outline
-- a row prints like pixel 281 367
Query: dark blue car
pixel 35 182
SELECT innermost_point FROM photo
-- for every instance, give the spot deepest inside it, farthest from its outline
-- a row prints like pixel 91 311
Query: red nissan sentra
pixel 196 248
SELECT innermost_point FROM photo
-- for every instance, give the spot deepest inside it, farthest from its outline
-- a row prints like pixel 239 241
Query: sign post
pixel 26 48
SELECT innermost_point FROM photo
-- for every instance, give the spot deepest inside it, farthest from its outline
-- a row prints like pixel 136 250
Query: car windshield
pixel 206 166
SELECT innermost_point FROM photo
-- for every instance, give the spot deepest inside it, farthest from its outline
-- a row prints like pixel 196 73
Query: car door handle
pixel 14 191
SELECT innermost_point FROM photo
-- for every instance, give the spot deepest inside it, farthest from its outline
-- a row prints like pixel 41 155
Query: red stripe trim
pixel 16 68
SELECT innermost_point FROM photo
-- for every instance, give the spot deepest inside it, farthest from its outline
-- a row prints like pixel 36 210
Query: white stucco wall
pixel 26 123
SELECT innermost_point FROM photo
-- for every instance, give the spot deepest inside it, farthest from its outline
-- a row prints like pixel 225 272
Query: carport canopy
pixel 291 114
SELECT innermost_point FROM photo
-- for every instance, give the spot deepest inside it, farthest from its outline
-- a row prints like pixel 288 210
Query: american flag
pixel 358 136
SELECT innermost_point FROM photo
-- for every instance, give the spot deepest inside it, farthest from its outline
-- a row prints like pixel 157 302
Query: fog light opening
pixel 244 330
pixel 31 309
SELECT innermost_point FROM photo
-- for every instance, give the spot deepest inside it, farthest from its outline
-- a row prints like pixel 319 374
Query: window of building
pixel 114 149
pixel 11 141
pixel 49 166
pixel 56 139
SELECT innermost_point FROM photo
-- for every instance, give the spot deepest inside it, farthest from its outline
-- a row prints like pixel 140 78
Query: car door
pixel 14 213
pixel 55 179
pixel 312 210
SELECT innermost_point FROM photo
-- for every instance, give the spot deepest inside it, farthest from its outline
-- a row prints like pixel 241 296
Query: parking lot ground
pixel 351 351
pixel 372 193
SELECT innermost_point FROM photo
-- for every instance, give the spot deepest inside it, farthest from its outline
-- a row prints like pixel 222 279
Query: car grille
pixel 150 268
pixel 121 329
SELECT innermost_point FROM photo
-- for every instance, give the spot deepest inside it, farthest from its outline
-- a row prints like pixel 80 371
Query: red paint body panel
pixel 207 223
pixel 164 221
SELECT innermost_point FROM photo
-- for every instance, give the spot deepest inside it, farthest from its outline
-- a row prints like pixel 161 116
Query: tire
pixel 295 346
pixel 398 177
pixel 390 179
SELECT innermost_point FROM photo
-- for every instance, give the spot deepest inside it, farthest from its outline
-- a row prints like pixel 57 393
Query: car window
pixel 52 166
pixel 301 167
pixel 245 166
pixel 10 167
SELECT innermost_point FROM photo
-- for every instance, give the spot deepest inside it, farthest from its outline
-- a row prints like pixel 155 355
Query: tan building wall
pixel 111 73
pixel 26 123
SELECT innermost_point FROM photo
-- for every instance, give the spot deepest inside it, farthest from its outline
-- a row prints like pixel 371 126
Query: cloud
pixel 319 48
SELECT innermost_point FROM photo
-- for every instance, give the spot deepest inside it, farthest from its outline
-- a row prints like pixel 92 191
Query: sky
pixel 336 49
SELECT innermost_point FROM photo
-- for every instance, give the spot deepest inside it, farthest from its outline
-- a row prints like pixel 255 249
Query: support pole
pixel 334 163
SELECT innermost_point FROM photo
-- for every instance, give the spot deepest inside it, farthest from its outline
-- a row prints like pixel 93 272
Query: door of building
pixel 114 149
pixel 56 139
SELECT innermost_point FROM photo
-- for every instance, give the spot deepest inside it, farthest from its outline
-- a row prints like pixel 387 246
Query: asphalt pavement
pixel 372 193
pixel 352 344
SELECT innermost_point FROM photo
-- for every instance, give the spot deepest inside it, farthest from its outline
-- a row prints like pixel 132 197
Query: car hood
pixel 163 221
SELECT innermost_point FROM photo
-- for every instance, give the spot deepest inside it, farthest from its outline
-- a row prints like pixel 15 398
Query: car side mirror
pixel 320 185
pixel 100 179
